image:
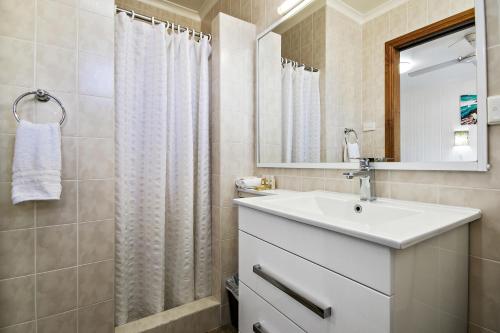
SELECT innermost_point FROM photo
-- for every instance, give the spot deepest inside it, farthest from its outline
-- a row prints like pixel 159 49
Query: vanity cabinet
pixel 321 281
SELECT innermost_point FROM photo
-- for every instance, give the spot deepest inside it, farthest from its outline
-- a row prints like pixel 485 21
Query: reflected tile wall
pixel 50 264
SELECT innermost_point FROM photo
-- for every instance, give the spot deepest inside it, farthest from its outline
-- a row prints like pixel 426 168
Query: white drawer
pixel 253 310
pixel 368 263
pixel 354 307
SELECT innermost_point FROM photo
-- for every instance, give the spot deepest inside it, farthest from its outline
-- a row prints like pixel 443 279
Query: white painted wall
pixel 430 113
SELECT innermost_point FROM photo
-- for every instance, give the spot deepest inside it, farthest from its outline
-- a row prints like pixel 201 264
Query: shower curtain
pixel 163 235
pixel 301 115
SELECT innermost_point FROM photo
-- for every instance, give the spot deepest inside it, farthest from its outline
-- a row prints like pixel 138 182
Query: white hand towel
pixel 36 170
pixel 353 150
pixel 248 182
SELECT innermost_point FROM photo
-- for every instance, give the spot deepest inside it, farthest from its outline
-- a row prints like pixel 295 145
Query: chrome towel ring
pixel 42 96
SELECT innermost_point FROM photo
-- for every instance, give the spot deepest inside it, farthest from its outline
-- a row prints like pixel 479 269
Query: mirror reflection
pixel 335 87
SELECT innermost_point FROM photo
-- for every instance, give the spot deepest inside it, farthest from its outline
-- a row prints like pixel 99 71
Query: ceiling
pixel 364 6
pixel 438 51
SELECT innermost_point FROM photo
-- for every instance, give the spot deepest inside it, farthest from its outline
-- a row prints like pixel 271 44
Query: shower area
pixel 163 250
pixel 178 150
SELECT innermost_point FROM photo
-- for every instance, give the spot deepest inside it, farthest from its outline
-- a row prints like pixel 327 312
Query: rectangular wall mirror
pixel 338 80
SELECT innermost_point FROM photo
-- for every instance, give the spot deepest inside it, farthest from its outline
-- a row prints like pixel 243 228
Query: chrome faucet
pixel 366 174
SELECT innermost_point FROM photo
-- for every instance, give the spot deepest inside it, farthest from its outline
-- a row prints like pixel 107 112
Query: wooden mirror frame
pixel 392 85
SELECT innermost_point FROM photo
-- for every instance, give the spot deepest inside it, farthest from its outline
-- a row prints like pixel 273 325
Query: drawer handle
pixel 257 328
pixel 320 311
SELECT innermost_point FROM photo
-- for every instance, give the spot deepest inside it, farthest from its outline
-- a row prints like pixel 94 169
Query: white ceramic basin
pixel 393 223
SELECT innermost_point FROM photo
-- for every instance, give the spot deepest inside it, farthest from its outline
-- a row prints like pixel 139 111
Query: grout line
pixel 480 326
pixel 19 324
pixel 485 259
pixel 56 270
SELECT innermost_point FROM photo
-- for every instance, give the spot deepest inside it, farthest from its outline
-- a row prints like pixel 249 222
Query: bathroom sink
pixel 394 223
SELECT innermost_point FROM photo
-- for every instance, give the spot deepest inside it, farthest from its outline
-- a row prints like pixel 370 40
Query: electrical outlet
pixel 494 110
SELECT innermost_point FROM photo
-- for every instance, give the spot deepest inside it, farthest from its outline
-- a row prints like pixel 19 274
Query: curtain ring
pixel 152 20
pixel 133 15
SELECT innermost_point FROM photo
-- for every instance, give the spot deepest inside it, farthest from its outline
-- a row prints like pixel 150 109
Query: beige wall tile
pixel 246 10
pixel 236 8
pixel 96 74
pixel 61 211
pixel 55 68
pixel 96 200
pixel 92 150
pixel 11 25
pixel 17 253
pixel 56 247
pixel 51 112
pixel 14 217
pixel 96 241
pixel 417 14
pixel 92 25
pixel 437 10
pixel 484 293
pixel 70 2
pixel 25 108
pixel 95 117
pixel 414 192
pixel 95 282
pixel 477 329
pixel 484 234
pixel 21 328
pixel 457 6
pixel 229 248
pixel 6 155
pixel 492 22
pixel 17 300
pixel 16 62
pixel 313 184
pixel 65 322
pixel 339 185
pixel 56 292
pixel 97 318
pixel 493 62
pixel 56 24
pixel 398 20
pixel 259 14
pixel 101 7
pixel 229 222
pixel 69 158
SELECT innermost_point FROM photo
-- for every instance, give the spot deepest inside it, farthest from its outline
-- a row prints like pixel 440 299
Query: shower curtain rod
pixel 296 64
pixel 169 25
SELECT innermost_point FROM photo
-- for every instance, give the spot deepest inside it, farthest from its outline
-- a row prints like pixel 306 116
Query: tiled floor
pixel 225 329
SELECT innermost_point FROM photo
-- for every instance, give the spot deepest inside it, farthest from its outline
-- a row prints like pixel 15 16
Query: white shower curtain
pixel 163 235
pixel 301 140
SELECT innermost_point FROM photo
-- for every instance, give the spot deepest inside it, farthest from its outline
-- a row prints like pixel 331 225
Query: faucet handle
pixel 364 163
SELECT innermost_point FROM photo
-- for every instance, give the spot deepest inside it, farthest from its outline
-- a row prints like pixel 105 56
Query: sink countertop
pixel 394 223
